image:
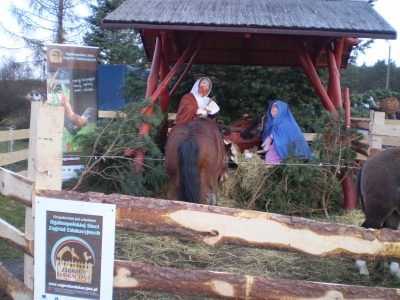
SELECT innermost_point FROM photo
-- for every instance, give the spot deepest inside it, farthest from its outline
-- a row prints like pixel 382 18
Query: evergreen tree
pixel 116 46
pixel 44 22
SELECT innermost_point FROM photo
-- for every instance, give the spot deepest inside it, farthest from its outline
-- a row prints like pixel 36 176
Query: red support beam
pixel 164 97
pixel 339 43
pixel 334 91
pixel 312 76
pixel 348 184
pixel 151 87
pixel 187 69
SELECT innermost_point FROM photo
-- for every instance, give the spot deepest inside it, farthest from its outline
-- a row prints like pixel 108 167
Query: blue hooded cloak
pixel 285 131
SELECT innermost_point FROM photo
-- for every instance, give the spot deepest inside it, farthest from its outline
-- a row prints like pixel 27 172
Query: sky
pixel 388 9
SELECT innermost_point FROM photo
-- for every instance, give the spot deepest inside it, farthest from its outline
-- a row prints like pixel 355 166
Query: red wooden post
pixel 164 97
pixel 334 91
pixel 348 184
pixel 151 87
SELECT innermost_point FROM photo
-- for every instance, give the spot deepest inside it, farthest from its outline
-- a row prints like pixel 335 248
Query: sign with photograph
pixel 72 82
pixel 74 249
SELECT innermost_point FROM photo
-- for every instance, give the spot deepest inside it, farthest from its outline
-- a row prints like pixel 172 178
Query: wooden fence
pixel 200 223
pixel 14 156
pixel 381 133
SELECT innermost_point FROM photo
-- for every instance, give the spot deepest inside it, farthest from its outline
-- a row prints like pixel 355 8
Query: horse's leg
pixel 212 197
pixel 393 223
pixel 375 222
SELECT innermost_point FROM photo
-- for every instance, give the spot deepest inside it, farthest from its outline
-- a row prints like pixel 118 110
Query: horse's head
pixel 232 152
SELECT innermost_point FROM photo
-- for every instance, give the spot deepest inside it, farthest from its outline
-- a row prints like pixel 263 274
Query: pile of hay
pixel 245 183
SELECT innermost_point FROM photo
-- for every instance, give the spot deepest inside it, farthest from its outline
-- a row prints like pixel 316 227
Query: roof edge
pixel 259 30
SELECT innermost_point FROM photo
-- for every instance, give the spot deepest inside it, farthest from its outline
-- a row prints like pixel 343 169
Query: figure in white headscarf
pixel 196 104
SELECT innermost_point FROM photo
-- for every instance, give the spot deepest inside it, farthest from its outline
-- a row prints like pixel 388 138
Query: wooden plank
pixel 386 130
pixel 392 122
pixel 391 141
pixel 375 141
pixel 16 186
pixel 13 287
pixel 360 123
pixel 220 225
pixel 15 237
pixel 221 285
pixel 10 135
pixel 309 136
pixel 47 129
pixel 110 114
pixel 13 157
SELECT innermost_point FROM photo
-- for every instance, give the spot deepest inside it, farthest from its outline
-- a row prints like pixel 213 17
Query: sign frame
pixel 82 223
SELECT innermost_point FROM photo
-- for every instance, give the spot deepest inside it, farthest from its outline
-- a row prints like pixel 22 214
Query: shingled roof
pixel 263 27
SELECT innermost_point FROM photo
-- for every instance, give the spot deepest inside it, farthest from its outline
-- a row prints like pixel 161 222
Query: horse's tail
pixel 189 173
pixel 358 188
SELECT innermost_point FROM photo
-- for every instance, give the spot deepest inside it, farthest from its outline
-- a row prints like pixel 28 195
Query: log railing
pixel 217 225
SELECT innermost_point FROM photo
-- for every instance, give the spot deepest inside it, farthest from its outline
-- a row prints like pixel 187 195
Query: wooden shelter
pixel 309 34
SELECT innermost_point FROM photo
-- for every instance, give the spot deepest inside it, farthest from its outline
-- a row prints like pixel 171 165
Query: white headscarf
pixel 203 101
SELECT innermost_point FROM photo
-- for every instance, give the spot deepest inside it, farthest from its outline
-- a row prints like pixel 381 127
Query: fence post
pixel 375 141
pixel 44 164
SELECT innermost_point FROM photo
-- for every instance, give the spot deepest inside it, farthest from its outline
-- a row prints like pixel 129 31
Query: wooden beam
pixel 221 285
pixel 175 42
pixel 16 186
pixel 187 69
pixel 334 91
pixel 360 123
pixel 13 287
pixel 10 135
pixel 12 157
pixel 15 237
pixel 220 225
pixel 312 75
pixel 319 48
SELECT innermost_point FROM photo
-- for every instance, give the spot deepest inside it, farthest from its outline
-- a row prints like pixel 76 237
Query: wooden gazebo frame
pixel 309 34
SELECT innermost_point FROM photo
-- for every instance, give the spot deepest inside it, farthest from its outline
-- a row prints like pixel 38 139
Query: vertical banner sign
pixel 72 76
pixel 74 249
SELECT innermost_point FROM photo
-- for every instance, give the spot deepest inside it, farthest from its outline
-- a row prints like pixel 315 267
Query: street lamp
pixel 388 68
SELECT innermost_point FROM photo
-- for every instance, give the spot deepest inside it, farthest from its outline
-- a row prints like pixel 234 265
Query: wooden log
pixel 360 123
pixel 16 186
pixel 13 287
pixel 15 237
pixel 220 285
pixel 366 149
pixel 220 225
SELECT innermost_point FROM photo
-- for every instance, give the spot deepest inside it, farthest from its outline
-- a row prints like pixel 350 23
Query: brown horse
pixel 196 157
pixel 378 191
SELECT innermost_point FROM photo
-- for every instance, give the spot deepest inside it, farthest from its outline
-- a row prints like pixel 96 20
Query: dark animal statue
pixel 196 158
pixel 378 191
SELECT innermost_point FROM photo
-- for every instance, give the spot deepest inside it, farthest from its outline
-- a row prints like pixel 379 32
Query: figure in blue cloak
pixel 282 135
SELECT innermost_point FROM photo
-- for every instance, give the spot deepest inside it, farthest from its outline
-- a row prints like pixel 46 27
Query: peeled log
pixel 14 288
pixel 220 225
pixel 219 285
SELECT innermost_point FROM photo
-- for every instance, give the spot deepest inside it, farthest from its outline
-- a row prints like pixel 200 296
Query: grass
pixel 12 212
